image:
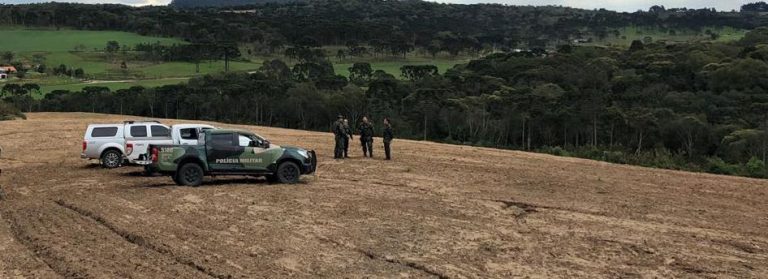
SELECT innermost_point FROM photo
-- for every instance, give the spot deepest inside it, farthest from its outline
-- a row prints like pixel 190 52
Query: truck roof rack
pixel 140 121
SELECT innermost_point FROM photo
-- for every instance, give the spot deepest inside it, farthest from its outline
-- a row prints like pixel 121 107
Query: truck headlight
pixel 303 153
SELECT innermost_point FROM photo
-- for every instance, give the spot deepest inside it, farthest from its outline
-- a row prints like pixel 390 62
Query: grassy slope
pixel 58 48
pixel 30 40
pixel 179 69
pixel 631 33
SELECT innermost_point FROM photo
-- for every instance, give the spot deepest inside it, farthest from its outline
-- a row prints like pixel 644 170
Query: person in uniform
pixel 388 136
pixel 339 135
pixel 347 138
pixel 366 137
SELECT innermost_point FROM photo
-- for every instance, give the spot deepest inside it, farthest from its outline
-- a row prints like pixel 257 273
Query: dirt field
pixel 435 211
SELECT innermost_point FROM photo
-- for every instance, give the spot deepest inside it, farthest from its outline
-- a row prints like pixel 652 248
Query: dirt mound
pixel 436 211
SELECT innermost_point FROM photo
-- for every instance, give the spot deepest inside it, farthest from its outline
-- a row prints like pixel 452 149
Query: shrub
pixel 615 157
pixel 9 112
pixel 755 167
pixel 557 151
pixel 718 166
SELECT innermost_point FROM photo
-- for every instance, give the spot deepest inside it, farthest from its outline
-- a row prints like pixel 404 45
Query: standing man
pixel 348 136
pixel 339 135
pixel 388 136
pixel 366 137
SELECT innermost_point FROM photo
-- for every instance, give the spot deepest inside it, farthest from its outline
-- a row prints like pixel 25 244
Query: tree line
pixel 378 26
pixel 691 106
pixel 223 3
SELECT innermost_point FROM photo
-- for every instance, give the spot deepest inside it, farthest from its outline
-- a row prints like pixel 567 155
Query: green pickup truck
pixel 230 152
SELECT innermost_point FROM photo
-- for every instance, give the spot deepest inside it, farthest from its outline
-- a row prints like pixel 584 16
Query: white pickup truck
pixel 115 143
pixel 139 138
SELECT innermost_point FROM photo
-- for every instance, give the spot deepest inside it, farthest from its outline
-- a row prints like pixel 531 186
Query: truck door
pixel 137 135
pixel 256 157
pixel 223 151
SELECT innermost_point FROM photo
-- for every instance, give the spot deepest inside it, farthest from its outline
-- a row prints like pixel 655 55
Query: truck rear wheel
pixel 288 173
pixel 111 159
pixel 189 174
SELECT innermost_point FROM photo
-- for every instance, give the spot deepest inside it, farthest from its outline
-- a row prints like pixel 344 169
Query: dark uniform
pixel 339 134
pixel 388 136
pixel 347 138
pixel 366 139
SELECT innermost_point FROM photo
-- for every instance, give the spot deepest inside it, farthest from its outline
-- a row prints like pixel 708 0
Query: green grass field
pixel 58 47
pixel 183 69
pixel 630 33
pixel 49 40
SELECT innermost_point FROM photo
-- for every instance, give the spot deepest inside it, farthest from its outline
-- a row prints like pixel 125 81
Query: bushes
pixel 9 112
pixel 718 166
pixel 753 168
pixel 617 157
pixel 664 159
pixel 557 151
pixel 756 168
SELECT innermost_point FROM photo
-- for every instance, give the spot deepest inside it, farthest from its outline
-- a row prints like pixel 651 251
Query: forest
pixel 223 3
pixel 699 106
pixel 377 25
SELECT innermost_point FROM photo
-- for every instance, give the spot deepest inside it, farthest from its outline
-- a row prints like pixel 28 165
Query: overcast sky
pixel 618 5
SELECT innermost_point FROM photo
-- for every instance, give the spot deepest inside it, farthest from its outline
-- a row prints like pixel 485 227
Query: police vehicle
pixel 230 152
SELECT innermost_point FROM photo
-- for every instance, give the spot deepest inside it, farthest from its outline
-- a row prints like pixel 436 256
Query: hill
pixel 224 3
pixel 438 210
pixel 85 49
pixel 386 26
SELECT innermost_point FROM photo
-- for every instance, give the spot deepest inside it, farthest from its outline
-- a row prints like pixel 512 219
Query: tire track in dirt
pixel 18 260
pixel 539 208
pixel 141 241
pixel 74 246
pixel 54 261
pixel 373 256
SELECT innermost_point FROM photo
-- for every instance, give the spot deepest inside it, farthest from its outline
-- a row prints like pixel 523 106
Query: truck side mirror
pixel 266 144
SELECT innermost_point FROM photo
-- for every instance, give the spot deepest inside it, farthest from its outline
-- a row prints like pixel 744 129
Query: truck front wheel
pixel 288 173
pixel 189 174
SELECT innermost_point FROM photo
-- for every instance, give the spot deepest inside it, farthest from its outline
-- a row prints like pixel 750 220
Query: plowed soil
pixel 435 211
